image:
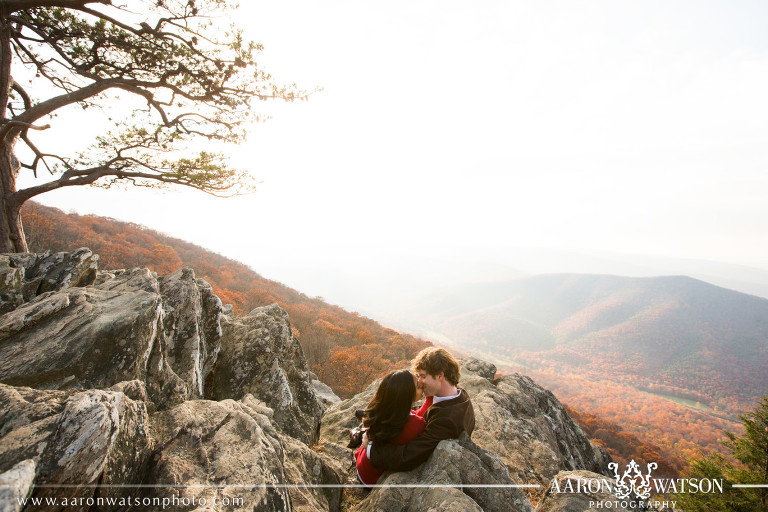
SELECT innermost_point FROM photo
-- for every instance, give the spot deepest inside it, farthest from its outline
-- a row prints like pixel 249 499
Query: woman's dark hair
pixel 388 411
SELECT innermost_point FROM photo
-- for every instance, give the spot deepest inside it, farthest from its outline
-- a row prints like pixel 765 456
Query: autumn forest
pixel 348 351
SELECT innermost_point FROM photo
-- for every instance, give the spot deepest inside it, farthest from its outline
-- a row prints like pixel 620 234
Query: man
pixel 451 413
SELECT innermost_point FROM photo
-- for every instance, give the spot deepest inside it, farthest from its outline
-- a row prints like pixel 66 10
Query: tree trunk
pixel 11 232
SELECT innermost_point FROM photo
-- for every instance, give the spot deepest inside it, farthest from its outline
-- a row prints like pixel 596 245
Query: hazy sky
pixel 451 128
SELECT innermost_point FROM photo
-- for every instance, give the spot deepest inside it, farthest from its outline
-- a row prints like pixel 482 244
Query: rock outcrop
pixel 122 384
pixel 83 441
pixel 79 338
pixel 124 325
pixel 122 361
pixel 191 328
pixel 518 423
pixel 526 426
pixel 16 485
pixel 324 392
pixel 461 474
pixel 222 452
pixel 25 276
pixel 260 355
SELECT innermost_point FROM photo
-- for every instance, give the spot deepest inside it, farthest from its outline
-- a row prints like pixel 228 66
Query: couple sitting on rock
pixel 398 438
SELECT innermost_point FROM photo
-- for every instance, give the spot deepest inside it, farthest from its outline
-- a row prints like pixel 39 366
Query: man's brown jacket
pixel 445 420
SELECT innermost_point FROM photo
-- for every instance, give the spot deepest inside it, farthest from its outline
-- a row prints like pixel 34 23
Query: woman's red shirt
pixel 368 474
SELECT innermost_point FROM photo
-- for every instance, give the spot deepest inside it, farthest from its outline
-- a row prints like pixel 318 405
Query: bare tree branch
pixel 24 96
pixel 26 126
pixel 39 156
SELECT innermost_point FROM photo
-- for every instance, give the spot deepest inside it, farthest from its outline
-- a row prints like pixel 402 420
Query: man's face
pixel 430 384
pixel 419 390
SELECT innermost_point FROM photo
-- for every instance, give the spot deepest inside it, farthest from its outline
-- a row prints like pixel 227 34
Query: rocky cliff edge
pixel 122 388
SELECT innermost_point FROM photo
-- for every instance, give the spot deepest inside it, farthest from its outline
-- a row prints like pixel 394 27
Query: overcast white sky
pixel 452 128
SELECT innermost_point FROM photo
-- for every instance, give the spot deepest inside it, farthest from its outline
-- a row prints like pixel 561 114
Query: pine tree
pixel 173 85
pixel 749 453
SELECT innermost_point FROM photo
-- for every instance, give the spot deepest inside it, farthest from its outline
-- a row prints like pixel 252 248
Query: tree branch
pixel 22 195
pixel 90 176
pixel 22 51
pixel 147 95
pixel 26 126
pixel 46 107
pixel 68 62
pixel 39 156
pixel 24 96
pixel 18 5
pixel 116 22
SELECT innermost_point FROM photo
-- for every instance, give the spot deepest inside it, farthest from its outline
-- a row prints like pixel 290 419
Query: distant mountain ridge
pixel 346 350
pixel 441 267
pixel 690 336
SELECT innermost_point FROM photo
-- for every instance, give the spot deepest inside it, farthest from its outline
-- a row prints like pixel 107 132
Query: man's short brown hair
pixel 434 361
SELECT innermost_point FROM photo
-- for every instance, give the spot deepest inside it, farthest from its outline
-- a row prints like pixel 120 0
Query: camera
pixel 356 436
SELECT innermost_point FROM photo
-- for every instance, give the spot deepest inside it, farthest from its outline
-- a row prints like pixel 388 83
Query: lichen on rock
pixel 231 449
pixel 260 355
pixel 76 439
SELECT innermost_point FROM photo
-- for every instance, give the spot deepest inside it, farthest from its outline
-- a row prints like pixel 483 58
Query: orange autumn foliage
pixel 355 367
pixel 348 351
pixel 335 341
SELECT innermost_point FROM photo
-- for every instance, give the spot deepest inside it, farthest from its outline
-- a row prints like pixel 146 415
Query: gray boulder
pixel 76 439
pixel 189 340
pixel 261 356
pixel 187 336
pixel 221 452
pixel 457 469
pixel 324 393
pixel 526 426
pixel 23 276
pixel 124 325
pixel 191 327
pixel 127 281
pixel 79 337
pixel 133 389
pixel 16 485
pixel 11 284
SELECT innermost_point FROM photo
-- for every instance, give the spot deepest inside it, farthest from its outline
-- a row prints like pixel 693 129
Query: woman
pixel 389 418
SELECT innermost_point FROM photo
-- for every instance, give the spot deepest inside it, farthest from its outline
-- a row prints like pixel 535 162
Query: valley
pixel 668 359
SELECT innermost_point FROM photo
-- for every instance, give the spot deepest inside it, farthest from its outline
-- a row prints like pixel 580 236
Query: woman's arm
pixel 426 405
pixel 406 457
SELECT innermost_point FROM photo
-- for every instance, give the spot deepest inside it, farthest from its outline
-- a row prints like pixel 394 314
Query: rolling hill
pixel 670 359
pixel 345 349
pixel 675 334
